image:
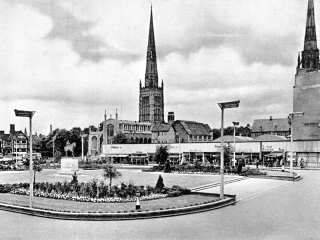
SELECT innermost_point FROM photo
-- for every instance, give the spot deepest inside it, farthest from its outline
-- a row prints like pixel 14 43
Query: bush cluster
pixel 189 168
pixel 94 190
pixel 253 171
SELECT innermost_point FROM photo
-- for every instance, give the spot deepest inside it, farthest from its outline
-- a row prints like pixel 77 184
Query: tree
pixel 36 167
pixel 159 184
pixel 120 138
pixel 167 167
pixel 227 156
pixel 110 172
pixel 161 155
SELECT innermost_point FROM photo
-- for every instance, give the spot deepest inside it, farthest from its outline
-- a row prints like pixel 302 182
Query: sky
pixel 69 60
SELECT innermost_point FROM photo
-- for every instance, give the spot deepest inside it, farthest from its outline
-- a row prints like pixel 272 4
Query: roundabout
pixel 61 206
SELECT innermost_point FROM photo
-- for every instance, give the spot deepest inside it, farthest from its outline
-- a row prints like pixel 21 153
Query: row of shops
pixel 305 153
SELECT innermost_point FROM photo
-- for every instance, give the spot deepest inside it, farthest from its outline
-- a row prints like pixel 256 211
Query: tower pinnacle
pixel 310 54
pixel 151 75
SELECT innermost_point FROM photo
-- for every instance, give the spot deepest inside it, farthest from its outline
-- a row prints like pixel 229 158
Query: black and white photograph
pixel 159 119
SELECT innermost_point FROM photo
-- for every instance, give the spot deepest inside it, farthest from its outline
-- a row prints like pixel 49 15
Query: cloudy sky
pixel 71 59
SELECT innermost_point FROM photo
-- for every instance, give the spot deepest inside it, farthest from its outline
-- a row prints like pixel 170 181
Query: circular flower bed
pixel 95 192
pixel 75 197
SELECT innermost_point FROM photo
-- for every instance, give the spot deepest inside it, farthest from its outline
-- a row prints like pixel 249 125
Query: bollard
pixel 137 204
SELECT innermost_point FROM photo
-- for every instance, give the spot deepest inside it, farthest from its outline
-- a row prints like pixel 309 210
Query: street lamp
pixel 290 120
pixel 224 105
pixel 53 139
pixel 82 140
pixel 28 114
pixel 234 142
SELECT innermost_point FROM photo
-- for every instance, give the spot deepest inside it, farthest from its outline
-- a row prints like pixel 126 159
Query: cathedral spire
pixel 310 40
pixel 151 76
pixel 310 54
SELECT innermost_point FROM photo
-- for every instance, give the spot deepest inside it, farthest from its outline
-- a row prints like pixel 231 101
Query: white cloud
pixel 209 51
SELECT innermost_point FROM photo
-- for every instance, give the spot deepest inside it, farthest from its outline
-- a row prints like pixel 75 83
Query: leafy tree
pixel 161 155
pixel 227 156
pixel 36 167
pixel 120 138
pixel 110 172
pixel 167 167
pixel 215 133
pixel 74 178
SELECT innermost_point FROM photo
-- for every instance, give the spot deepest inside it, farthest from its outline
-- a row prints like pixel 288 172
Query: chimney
pixel 12 129
pixel 50 128
pixel 170 117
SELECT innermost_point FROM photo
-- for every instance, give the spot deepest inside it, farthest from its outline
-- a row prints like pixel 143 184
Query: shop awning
pixel 117 155
pixel 274 155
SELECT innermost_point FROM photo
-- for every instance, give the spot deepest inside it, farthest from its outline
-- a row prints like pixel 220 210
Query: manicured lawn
pixel 134 176
pixel 65 205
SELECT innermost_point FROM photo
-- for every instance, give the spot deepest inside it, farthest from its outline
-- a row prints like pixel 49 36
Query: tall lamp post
pixel 82 142
pixel 53 139
pixel 234 142
pixel 290 120
pixel 28 114
pixel 224 105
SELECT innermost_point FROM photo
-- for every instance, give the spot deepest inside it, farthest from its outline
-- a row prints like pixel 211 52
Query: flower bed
pixel 74 197
pixel 95 192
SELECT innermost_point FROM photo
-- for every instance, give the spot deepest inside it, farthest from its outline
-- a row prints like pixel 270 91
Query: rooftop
pixel 194 128
pixel 160 127
pixel 270 125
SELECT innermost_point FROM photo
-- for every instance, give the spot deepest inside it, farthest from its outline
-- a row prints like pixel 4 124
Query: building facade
pixel 271 126
pixel 306 90
pixel 112 129
pixel 151 103
pixel 162 133
pixel 15 142
pixel 191 131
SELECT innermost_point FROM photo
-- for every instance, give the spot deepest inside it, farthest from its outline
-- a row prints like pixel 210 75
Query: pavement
pixel 249 188
pixel 268 210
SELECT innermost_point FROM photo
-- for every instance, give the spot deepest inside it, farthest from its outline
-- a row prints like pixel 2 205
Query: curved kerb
pixel 97 216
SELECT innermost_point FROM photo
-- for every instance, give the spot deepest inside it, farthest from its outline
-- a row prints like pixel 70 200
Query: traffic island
pixel 70 210
pixel 272 174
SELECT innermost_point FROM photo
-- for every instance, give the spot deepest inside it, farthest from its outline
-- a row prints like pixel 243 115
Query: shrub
pixel 167 167
pixel 159 184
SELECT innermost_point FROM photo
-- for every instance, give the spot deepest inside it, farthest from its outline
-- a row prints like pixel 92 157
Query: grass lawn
pixel 128 175
pixel 66 205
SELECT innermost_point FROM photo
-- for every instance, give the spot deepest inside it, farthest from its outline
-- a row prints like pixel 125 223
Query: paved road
pixel 268 209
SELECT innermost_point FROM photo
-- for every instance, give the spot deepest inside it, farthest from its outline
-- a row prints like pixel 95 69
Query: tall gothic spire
pixel 151 76
pixel 310 54
pixel 310 40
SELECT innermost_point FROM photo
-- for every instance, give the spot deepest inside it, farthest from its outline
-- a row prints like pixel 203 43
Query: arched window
pixel 110 130
pixel 94 142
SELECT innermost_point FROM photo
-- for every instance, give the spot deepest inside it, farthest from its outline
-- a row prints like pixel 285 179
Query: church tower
pixel 306 90
pixel 151 104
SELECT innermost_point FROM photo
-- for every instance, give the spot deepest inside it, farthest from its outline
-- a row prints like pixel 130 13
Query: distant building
pixel 272 126
pixel 163 133
pixel 190 131
pixel 306 89
pixel 133 131
pixel 16 142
